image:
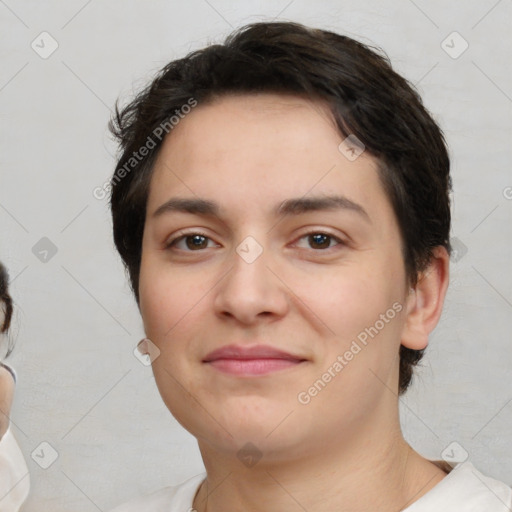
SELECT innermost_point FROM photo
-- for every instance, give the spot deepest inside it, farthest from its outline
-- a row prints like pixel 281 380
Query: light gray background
pixel 80 387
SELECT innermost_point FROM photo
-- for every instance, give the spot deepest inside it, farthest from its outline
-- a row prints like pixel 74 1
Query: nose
pixel 251 289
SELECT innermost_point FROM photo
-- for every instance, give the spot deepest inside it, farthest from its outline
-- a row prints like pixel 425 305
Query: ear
pixel 425 301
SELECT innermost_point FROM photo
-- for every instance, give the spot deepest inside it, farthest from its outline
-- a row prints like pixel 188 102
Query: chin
pixel 231 432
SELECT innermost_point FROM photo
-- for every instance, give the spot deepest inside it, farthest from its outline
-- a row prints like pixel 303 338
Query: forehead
pixel 233 126
pixel 250 149
pixel 262 117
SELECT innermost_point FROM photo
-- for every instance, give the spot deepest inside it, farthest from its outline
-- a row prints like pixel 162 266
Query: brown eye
pixel 196 241
pixel 320 241
pixel 193 242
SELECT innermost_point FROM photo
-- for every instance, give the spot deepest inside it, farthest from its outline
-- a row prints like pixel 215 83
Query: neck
pixel 369 471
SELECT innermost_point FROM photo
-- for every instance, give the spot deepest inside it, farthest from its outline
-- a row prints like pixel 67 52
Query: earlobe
pixel 425 301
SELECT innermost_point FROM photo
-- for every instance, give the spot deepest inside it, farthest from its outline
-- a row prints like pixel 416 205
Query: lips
pixel 255 360
pixel 245 353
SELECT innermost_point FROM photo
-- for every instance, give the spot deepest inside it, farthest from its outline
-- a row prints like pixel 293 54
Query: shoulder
pixel 177 498
pixel 465 489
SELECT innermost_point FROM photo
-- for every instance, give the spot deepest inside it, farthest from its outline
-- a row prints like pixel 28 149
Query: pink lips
pixel 255 360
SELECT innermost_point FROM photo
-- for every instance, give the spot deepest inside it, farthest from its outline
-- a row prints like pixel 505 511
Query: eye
pixel 320 239
pixel 193 241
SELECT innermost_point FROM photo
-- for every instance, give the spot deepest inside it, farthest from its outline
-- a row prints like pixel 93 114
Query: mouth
pixel 251 361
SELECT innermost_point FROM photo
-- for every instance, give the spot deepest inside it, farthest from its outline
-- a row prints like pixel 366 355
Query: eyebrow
pixel 294 206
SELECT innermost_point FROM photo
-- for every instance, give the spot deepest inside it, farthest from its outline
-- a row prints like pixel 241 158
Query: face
pixel 326 286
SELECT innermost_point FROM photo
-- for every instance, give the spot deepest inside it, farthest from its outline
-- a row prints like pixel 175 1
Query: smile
pixel 243 360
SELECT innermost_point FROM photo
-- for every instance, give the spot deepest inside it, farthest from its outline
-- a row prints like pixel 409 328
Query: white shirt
pixel 14 476
pixel 464 489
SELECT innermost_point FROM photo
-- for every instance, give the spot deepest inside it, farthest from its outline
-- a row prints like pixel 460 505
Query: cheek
pixel 362 310
pixel 349 299
pixel 170 307
pixel 165 298
pixel 152 300
pixel 361 306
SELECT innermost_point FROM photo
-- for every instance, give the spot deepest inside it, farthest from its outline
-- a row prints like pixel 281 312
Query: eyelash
pixel 184 234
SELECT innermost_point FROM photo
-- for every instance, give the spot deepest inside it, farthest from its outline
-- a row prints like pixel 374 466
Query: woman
pixel 281 204
pixel 14 476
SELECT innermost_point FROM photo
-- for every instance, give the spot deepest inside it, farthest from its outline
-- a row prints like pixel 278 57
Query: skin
pixel 344 450
pixel 6 398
